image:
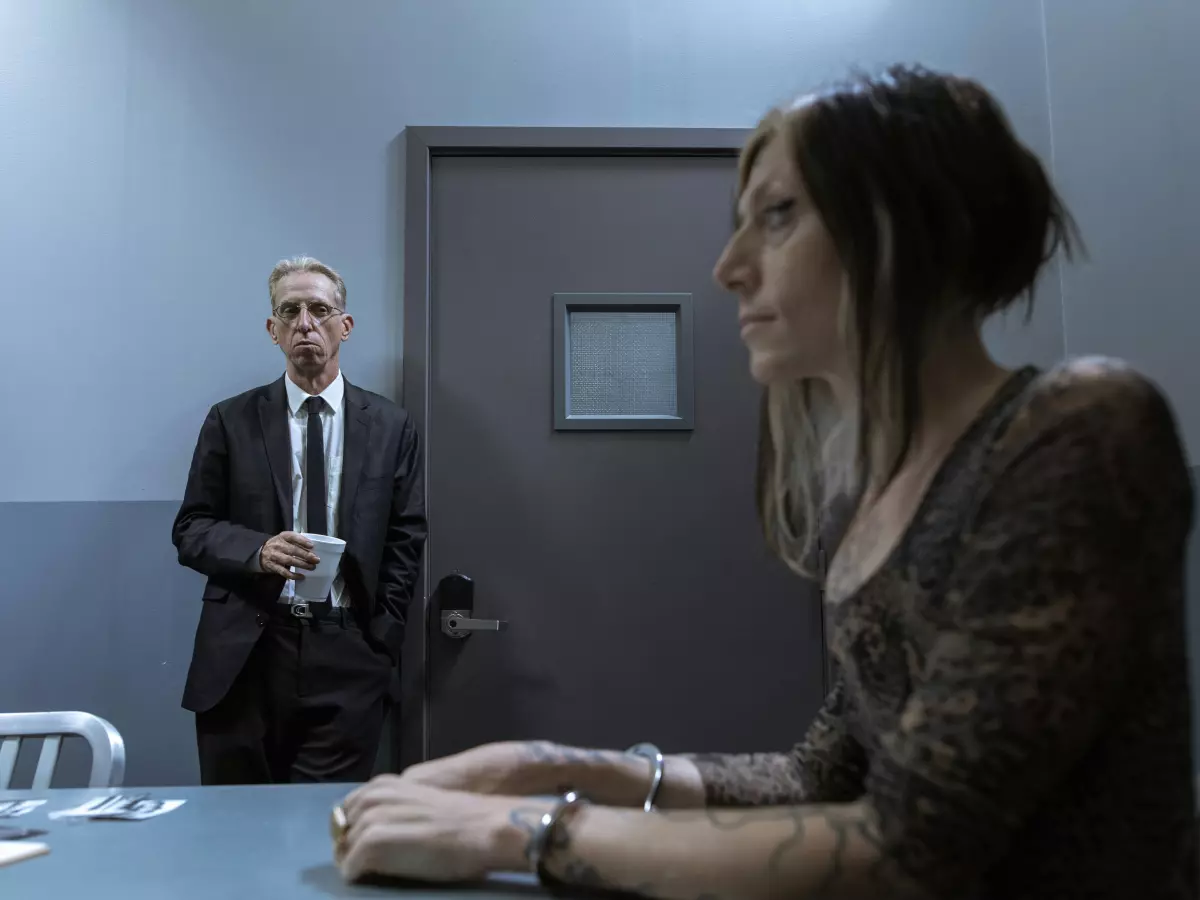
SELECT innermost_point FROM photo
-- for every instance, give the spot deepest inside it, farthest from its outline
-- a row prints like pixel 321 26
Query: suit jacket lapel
pixel 357 439
pixel 273 417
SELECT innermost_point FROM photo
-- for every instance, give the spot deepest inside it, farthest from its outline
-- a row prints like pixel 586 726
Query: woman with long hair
pixel 1010 716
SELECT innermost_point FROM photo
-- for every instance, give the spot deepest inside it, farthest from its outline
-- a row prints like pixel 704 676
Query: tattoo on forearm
pixel 551 754
pixel 526 819
pixel 854 833
pixel 855 836
pixel 572 871
pixel 548 752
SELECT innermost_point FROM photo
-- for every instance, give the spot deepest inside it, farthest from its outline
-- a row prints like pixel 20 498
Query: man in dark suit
pixel 285 690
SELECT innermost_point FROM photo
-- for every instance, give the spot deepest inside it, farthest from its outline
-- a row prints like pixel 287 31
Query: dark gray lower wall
pixel 95 614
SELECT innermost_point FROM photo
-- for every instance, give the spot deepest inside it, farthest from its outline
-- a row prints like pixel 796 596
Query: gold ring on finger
pixel 338 826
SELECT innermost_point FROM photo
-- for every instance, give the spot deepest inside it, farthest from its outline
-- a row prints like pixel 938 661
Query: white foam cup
pixel 318 581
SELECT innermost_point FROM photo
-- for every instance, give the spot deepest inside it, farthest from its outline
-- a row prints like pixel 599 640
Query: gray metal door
pixel 628 566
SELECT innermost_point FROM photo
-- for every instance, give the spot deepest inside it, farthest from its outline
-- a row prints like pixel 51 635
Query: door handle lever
pixel 457 623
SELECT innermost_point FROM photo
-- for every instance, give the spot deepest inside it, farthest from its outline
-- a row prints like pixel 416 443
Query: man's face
pixel 307 323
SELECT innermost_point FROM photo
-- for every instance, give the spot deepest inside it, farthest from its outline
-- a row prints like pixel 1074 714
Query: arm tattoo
pixel 854 834
pixel 573 871
pixel 853 831
pixel 548 752
pixel 558 756
pixel 526 818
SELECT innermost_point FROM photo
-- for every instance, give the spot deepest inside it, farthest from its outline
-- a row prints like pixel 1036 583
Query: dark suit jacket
pixel 239 494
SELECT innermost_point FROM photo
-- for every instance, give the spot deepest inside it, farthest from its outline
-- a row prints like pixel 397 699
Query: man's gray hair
pixel 306 264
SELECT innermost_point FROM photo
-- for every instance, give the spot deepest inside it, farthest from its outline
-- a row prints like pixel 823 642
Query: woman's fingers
pixel 350 801
pixel 360 853
pixel 363 820
pixel 396 828
pixel 379 790
pixel 384 804
pixel 395 810
pixel 384 847
pixel 355 796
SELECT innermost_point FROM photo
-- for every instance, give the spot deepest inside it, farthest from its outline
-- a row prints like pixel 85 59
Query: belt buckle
pixel 301 611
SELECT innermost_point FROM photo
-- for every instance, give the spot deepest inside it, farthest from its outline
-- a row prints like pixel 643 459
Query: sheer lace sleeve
pixel 827 766
pixel 1054 599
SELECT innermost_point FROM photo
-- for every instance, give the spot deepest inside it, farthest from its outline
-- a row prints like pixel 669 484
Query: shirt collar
pixel 332 394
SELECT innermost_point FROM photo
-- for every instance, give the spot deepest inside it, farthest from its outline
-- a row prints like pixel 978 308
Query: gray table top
pixel 225 843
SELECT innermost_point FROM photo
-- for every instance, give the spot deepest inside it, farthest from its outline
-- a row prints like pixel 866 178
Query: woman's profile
pixel 1010 716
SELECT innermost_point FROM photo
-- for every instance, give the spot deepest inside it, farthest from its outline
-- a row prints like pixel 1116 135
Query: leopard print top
pixel 1011 696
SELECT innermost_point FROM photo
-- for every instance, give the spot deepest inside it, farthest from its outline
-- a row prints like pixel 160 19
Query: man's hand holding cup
pixel 285 550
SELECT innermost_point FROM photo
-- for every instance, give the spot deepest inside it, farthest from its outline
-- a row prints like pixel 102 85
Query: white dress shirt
pixel 333 435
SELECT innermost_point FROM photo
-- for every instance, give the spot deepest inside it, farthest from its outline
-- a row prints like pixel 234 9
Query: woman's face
pixel 782 265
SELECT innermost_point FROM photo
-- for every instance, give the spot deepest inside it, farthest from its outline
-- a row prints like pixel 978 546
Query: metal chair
pixel 108 748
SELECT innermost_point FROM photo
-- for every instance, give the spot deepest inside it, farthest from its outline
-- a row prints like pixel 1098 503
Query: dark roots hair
pixel 940 216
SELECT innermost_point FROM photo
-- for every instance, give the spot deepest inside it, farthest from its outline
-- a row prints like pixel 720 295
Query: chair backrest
pixel 108 749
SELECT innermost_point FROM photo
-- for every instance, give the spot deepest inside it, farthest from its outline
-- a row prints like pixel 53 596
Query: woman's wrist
pixel 608 777
pixel 682 785
pixel 513 829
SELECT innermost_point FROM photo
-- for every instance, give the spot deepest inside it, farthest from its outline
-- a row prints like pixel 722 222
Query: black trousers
pixel 309 706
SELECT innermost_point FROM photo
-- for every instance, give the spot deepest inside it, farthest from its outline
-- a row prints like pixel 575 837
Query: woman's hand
pixel 541 768
pixel 488 769
pixel 401 829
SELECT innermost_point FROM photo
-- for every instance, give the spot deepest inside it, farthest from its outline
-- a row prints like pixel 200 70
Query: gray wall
pixel 1125 120
pixel 157 156
pixel 1126 127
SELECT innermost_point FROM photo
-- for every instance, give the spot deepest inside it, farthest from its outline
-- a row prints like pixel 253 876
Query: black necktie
pixel 314 477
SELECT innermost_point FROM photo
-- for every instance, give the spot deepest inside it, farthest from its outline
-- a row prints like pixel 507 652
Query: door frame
pixel 422 144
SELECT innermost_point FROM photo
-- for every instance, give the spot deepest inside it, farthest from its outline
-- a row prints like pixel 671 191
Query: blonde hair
pixel 940 217
pixel 807 447
pixel 295 264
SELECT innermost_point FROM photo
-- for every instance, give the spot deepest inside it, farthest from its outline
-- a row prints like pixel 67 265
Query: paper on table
pixel 15 851
pixel 119 807
pixel 10 809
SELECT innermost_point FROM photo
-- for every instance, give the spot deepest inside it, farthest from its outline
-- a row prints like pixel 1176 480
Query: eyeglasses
pixel 318 312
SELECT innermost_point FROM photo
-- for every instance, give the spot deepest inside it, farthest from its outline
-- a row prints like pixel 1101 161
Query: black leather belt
pixel 308 611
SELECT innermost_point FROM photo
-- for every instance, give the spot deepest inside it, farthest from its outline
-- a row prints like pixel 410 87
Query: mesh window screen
pixel 622 363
